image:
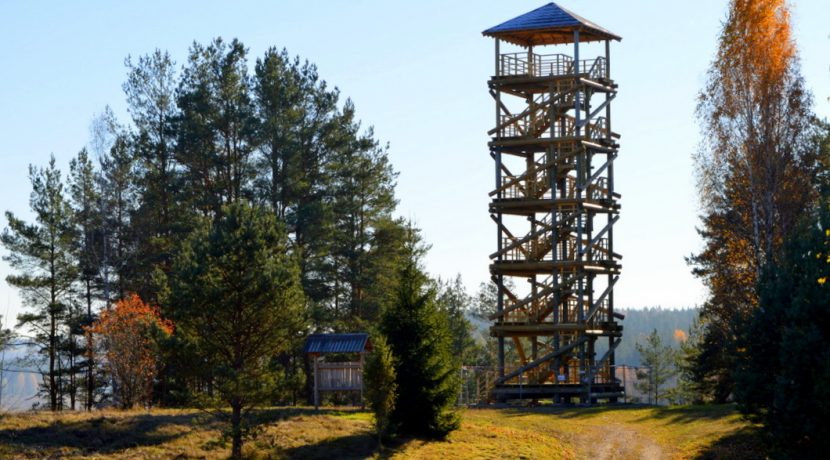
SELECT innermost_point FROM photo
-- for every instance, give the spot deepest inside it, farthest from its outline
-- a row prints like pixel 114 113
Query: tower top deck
pixel 549 25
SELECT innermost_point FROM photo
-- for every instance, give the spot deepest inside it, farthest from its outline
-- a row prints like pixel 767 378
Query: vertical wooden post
pixel 577 97
pixel 531 65
pixel 499 278
pixel 607 58
pixel 316 385
pixel 498 67
pixel 362 384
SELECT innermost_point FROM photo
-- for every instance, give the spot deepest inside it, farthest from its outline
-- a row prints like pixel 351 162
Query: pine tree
pixel 454 301
pixel 42 254
pixel 364 195
pixel 159 222
pixel 85 202
pixel 427 373
pixel 299 137
pixel 118 203
pixel 659 363
pixel 217 128
pixel 238 299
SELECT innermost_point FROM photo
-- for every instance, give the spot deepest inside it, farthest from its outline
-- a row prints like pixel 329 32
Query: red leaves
pixel 129 332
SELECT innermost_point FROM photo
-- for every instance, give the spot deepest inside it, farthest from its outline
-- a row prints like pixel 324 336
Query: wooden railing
pixel 547 65
pixel 539 126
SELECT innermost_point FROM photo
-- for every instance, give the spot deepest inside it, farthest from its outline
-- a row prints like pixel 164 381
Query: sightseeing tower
pixel 554 206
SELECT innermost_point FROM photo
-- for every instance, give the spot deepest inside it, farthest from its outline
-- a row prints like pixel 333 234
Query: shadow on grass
pixel 689 414
pixel 676 414
pixel 744 444
pixel 100 435
pixel 356 446
pixel 569 411
pixel 352 447
pixel 277 414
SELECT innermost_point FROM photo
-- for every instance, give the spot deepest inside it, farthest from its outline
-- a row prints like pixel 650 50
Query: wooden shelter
pixel 554 206
pixel 346 376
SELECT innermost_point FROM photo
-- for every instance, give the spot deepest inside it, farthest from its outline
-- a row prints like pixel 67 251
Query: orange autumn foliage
pixel 757 42
pixel 128 334
pixel 680 336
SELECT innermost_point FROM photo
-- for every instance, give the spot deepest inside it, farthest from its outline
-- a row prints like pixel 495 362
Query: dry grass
pixel 545 432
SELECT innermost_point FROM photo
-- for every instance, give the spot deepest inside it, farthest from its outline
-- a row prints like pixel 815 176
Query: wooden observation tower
pixel 555 206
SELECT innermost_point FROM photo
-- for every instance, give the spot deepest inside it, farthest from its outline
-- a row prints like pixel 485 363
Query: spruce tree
pixel 419 336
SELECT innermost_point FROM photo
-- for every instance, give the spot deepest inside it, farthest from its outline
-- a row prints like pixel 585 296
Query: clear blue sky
pixel 417 72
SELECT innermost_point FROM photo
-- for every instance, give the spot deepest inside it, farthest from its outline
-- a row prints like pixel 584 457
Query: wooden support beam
pixel 508 233
pixel 605 356
pixel 517 342
pixel 541 360
pixel 598 302
pixel 599 170
pixel 521 303
pixel 545 228
pixel 507 112
pixel 598 110
pixel 602 232
pixel 599 86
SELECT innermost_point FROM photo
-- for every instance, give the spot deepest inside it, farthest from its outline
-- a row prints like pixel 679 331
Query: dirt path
pixel 617 442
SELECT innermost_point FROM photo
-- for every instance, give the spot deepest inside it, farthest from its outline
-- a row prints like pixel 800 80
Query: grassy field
pixel 545 433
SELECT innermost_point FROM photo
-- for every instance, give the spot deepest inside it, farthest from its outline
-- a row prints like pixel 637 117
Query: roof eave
pixel 552 36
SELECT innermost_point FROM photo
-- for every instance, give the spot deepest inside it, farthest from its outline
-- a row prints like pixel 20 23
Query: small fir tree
pixel 381 389
pixel 427 373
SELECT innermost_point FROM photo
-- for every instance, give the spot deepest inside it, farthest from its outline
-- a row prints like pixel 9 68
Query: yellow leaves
pixel 822 280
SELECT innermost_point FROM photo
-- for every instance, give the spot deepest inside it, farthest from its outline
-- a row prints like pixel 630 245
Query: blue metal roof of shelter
pixel 548 25
pixel 336 343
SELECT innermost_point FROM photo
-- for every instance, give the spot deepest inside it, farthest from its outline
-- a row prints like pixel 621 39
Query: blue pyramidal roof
pixel 548 25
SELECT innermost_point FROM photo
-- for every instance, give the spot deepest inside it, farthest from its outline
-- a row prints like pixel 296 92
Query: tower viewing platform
pixel 554 206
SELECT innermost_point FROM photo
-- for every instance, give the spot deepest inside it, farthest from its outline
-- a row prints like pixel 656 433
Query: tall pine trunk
pixel 236 429
pixel 90 383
